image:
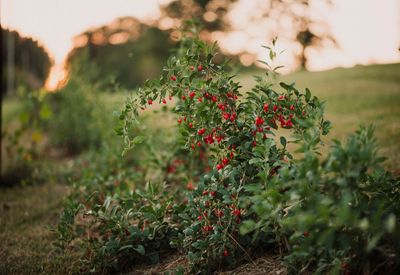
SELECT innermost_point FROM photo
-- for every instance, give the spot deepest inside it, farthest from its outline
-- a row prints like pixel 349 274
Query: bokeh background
pixel 68 66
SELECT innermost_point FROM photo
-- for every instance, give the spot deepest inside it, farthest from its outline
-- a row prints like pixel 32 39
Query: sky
pixel 367 31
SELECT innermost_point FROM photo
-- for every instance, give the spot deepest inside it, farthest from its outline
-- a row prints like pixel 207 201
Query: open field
pixel 360 95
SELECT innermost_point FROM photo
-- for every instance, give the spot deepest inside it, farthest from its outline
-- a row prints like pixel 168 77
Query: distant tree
pixel 125 51
pixel 304 30
pixel 209 13
pixel 24 61
pixel 309 32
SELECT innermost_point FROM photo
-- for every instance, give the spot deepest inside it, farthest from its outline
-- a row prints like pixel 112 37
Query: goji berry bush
pixel 230 186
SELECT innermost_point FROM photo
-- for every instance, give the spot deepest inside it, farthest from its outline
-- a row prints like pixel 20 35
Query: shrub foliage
pixel 244 190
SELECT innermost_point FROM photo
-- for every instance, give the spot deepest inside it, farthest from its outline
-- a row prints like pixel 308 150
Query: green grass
pixel 26 213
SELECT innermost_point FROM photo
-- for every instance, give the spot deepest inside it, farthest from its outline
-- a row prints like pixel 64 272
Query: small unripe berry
pixel 190 186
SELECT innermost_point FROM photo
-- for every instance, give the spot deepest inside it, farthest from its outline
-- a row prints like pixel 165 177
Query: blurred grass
pixel 360 95
pixel 26 212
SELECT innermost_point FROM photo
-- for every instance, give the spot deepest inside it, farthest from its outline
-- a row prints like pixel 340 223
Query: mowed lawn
pixel 360 95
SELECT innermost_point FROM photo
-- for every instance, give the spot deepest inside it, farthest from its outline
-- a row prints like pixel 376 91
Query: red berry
pixel 183 97
pixel 281 97
pixel 164 101
pixel 150 101
pixel 180 121
pixel 259 121
pixel 226 253
pixel 191 68
pixel 192 94
pixel 344 266
pixel 192 146
pixel 266 107
pixel 306 234
pixel 212 193
pixel 201 131
pixel 189 186
pixel 236 212
pixel 205 193
pixel 199 68
pixel 198 143
pixel 227 116
pixel 254 143
pixel 170 97
pixel 292 107
pixel 220 166
pixel 225 161
pixel 200 218
pixel 173 78
pixel 214 98
pixel 190 125
pixel 200 99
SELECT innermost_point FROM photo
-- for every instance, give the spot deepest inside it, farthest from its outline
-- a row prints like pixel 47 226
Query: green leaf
pixel 283 141
pixel 125 247
pixel 255 161
pixel 140 249
pixel 138 140
pixel 308 95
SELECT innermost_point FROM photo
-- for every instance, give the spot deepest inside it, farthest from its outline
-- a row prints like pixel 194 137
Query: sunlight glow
pixel 367 31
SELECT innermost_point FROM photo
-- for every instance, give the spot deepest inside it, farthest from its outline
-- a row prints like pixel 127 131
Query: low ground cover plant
pixel 230 186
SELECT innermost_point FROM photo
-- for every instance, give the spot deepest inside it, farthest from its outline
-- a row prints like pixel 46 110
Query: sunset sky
pixel 367 31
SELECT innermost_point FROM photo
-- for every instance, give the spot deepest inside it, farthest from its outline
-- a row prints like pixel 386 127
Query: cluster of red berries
pixel 208 228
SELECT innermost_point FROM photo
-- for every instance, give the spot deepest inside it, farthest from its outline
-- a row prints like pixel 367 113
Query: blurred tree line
pixel 24 62
pixel 128 51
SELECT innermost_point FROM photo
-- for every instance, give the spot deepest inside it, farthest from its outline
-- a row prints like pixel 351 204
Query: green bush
pixel 81 120
pixel 232 186
pixel 23 140
pixel 339 214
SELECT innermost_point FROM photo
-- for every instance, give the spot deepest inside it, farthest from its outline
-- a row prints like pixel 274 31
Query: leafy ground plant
pixel 243 189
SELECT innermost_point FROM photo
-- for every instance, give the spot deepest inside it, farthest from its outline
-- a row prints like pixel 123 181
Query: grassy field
pixel 360 95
